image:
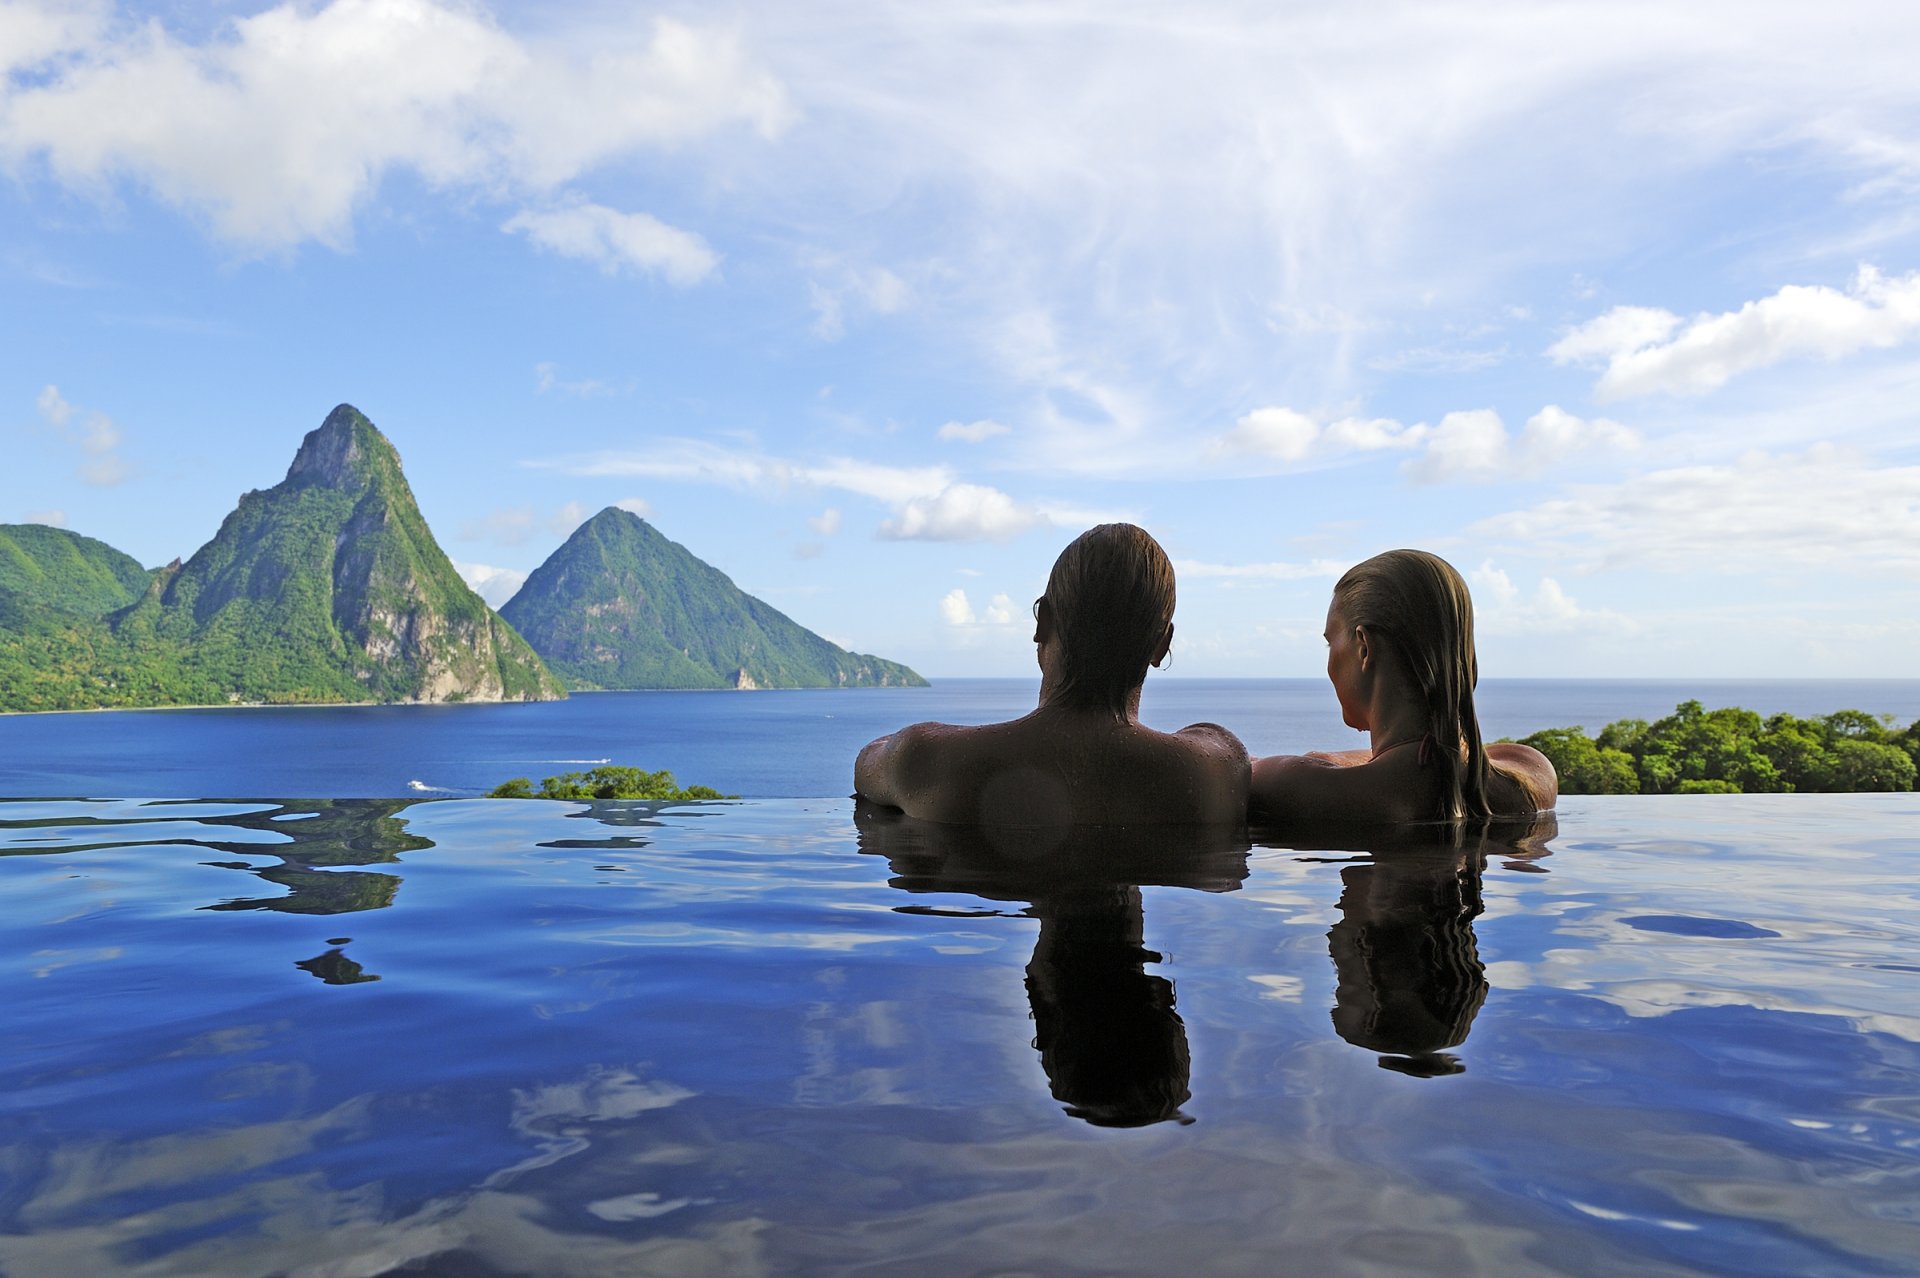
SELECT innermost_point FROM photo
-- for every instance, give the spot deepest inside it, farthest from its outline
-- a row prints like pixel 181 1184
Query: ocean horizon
pixel 763 744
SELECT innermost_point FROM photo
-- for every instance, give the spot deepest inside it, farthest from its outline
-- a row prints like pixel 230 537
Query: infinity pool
pixel 470 1037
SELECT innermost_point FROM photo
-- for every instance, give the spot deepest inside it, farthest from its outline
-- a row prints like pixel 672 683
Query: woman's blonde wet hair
pixel 1111 593
pixel 1420 605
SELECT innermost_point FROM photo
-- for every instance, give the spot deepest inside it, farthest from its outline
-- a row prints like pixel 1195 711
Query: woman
pixel 1083 756
pixel 1400 655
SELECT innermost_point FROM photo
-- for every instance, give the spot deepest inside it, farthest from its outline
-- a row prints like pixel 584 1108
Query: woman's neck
pixel 1394 719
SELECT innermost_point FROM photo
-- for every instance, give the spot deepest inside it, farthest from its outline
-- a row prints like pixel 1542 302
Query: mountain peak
pixel 619 605
pixel 335 454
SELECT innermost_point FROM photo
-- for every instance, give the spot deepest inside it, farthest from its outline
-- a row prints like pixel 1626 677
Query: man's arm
pixel 1306 787
pixel 884 771
pixel 1228 767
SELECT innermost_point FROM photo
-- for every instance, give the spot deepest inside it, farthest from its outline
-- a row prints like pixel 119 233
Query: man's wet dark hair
pixel 1111 593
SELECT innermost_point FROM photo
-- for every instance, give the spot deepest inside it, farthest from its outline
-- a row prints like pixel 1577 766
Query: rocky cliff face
pixel 329 586
pixel 621 606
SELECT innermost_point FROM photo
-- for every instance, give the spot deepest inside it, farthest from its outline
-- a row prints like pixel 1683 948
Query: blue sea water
pixel 758 745
pixel 1675 1035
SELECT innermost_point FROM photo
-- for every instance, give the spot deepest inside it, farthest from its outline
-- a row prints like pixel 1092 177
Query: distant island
pixel 329 588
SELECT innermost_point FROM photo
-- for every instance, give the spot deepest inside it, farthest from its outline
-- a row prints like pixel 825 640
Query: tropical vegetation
pixel 606 782
pixel 1695 750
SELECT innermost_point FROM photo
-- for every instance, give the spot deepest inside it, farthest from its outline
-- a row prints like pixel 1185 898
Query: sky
pixel 874 306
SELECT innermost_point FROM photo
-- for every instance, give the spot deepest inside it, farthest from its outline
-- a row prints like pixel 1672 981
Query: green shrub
pixel 606 782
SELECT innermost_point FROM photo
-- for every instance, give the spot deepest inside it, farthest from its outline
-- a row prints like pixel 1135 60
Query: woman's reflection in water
pixel 1409 979
pixel 1110 1040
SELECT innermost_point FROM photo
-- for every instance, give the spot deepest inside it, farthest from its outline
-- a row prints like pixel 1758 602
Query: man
pixel 1082 757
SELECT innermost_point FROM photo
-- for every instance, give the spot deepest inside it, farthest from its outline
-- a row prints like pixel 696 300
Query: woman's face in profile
pixel 1344 670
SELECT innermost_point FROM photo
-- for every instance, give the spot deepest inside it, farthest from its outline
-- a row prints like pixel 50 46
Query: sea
pixel 765 744
pixel 283 998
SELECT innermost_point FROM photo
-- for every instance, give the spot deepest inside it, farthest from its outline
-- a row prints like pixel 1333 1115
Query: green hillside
pixel 327 587
pixel 620 606
pixel 46 570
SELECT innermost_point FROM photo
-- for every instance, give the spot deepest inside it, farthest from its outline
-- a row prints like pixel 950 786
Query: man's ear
pixel 1166 646
pixel 1363 647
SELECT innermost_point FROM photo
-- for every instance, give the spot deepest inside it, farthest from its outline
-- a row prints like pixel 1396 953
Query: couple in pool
pixel 1400 655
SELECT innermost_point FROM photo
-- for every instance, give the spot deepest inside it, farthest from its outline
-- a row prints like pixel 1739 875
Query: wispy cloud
pixel 546 378
pixel 1273 570
pixel 515 525
pixel 929 503
pixel 616 241
pixel 1828 510
pixel 95 434
pixel 972 432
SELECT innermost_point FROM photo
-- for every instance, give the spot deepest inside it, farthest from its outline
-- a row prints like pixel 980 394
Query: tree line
pixel 1734 751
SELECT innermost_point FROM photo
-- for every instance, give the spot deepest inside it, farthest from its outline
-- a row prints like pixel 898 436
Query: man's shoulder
pixel 1210 741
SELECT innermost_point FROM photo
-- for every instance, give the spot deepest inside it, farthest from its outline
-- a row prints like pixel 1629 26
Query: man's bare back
pixel 1059 767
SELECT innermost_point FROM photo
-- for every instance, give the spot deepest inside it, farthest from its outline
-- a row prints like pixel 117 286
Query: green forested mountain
pixel 620 606
pixel 326 587
pixel 46 570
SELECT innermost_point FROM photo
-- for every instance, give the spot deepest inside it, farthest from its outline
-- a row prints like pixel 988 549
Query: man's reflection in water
pixel 1113 1047
pixel 1407 965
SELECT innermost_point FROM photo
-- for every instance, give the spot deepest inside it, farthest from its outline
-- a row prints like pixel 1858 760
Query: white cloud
pixel 53 406
pixel 1475 445
pixel 636 506
pixel 95 434
pixel 957 610
pixel 1644 355
pixel 962 512
pixel 1470 445
pixel 546 377
pixel 1280 433
pixel 568 518
pixel 972 432
pixel 615 241
pixel 1624 328
pixel 313 106
pixel 826 523
pixel 495 585
pixel 1502 608
pixel 1290 436
pixel 51 518
pixel 1825 510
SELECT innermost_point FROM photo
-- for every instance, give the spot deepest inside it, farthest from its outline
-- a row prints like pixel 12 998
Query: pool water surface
pixel 1674 1035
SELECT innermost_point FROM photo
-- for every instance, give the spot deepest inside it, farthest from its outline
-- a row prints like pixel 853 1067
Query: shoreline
pixel 474 701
